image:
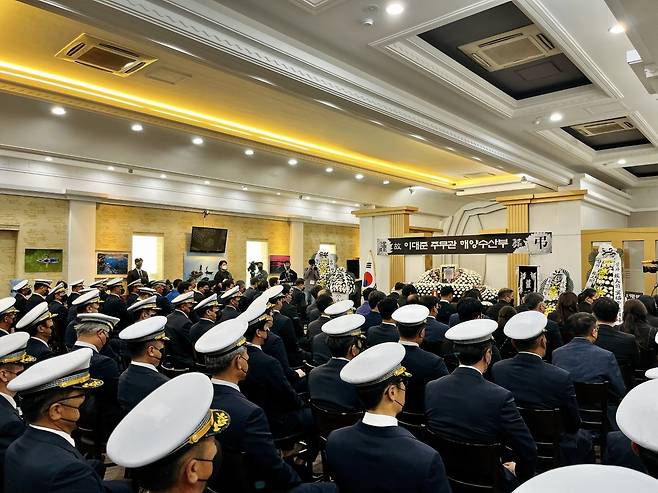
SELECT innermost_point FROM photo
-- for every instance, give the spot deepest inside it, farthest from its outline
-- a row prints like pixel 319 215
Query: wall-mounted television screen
pixel 208 240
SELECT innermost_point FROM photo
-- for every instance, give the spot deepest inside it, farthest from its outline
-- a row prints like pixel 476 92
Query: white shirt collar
pixel 86 344
pixel 207 319
pixel 344 359
pixel 219 381
pixel 41 341
pixel 145 365
pixel 40 295
pixel 65 436
pixel 431 316
pixel 5 331
pixel 181 311
pixel 471 367
pixel 230 306
pixel 254 345
pixel 11 400
pixel 379 420
pixel 409 343
pixel 528 352
pixel 389 323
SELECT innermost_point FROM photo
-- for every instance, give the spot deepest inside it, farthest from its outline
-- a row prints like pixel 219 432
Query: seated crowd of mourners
pixel 275 385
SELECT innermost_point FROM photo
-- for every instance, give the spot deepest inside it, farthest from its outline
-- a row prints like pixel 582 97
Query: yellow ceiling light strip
pixel 81 87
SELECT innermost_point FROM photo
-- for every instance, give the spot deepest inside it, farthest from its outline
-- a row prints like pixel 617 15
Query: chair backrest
pixel 413 422
pixel 307 367
pixel 593 407
pixel 545 426
pixel 471 467
pixel 232 476
pixel 327 421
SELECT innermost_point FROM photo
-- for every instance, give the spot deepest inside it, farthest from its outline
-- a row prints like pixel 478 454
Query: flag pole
pixel 374 268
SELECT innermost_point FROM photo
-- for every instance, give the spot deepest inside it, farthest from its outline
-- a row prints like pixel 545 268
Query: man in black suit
pixel 114 306
pixel 287 275
pixel 373 318
pixel 12 361
pixel 284 328
pixel 375 454
pixel 88 302
pixel 225 354
pixel 464 406
pixel 315 327
pixel 165 306
pixel 38 322
pixel 535 302
pixel 41 290
pixel 133 292
pixel 250 294
pixel 23 292
pixel 505 298
pixel 345 341
pixel 387 331
pixel 76 287
pixel 435 331
pixel 319 348
pixel 619 343
pixel 60 313
pixel 231 301
pixel 180 348
pixel 446 308
pixel 145 343
pixel 138 273
pixel 207 312
pixel 536 384
pixel 44 458
pixel 267 387
pixel 8 312
pixel 423 365
pixel 101 413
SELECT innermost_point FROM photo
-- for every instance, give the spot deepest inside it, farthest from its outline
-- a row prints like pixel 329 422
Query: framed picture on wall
pixel 43 260
pixel 112 264
pixel 276 263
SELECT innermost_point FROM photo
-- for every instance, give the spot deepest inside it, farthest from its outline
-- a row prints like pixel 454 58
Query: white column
pixel 297 261
pixel 81 241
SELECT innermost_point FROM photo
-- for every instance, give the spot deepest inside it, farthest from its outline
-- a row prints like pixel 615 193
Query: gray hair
pixel 218 364
pixel 89 328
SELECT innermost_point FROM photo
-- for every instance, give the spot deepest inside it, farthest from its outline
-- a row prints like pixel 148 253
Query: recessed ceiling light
pixel 617 29
pixel 385 182
pixel 110 168
pixel 476 158
pixel 394 8
pixel 278 193
pixel 416 136
pixel 244 188
pixel 261 79
pixel 376 122
pixel 293 162
pixel 206 182
pixel 136 127
pixel 333 201
pixel 197 141
pixel 621 161
pixel 357 205
pixel 327 103
pixel 249 152
pixel 163 176
pixel 306 197
pixel 556 117
pixel 58 110
pixel 358 176
pixel 48 158
pixel 450 148
pixel 329 170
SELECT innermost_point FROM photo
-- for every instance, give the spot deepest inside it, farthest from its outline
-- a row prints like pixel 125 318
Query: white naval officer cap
pixel 91 296
pixel 339 308
pixel 149 303
pixel 117 281
pixel 20 285
pixel 7 305
pixel 150 329
pixel 472 331
pixel 345 325
pixel 375 365
pixel 636 415
pixel 234 292
pixel 42 282
pixel 98 283
pixel 223 338
pixel 183 298
pixel 411 315
pixel 35 316
pixel 174 416
pixel 589 477
pixel 273 293
pixel 77 283
pixel 100 318
pixel 137 282
pixel 146 290
pixel 526 325
pixel 256 312
pixel 651 373
pixel 157 282
pixel 207 302
pixel 12 349
pixel 67 371
pixel 58 287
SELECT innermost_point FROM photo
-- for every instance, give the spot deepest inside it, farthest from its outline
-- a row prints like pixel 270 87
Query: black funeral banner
pixel 532 243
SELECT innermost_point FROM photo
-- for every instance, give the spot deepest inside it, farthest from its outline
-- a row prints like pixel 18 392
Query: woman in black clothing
pixel 567 305
pixel 652 309
pixel 505 345
pixel 586 299
pixel 635 322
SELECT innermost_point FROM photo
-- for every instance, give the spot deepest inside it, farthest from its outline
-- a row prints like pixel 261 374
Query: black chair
pixel 327 421
pixel 470 467
pixel 171 372
pixel 545 426
pixel 232 476
pixel 307 367
pixel 593 407
pixel 414 423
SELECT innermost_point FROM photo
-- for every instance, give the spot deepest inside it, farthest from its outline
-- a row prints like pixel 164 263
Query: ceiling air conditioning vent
pixel 102 55
pixel 511 48
pixel 604 127
pixel 480 174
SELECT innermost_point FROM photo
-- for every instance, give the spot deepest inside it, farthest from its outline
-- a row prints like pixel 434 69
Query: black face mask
pixel 213 481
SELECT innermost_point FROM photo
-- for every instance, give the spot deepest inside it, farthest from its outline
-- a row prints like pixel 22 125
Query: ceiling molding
pixel 643 125
pixel 316 6
pixel 559 137
pixel 230 35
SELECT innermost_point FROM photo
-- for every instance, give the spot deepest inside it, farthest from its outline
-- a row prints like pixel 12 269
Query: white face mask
pixel 224 267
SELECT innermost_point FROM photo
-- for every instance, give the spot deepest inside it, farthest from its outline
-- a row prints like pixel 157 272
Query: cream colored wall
pixel 40 223
pixel 345 238
pixel 8 263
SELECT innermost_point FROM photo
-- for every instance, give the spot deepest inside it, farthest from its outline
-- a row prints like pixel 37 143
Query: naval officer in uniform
pixel 145 342
pixel 114 306
pixel 88 302
pixel 44 458
pixel 319 348
pixel 39 324
pixel 376 455
pixel 23 291
pixel 41 289
pixel 345 341
pixel 181 350
pixel 231 301
pixel 206 310
pixel 76 286
pixel 8 314
pixel 143 309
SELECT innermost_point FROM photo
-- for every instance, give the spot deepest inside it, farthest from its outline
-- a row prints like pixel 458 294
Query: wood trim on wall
pixel 542 198
pixel 386 211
